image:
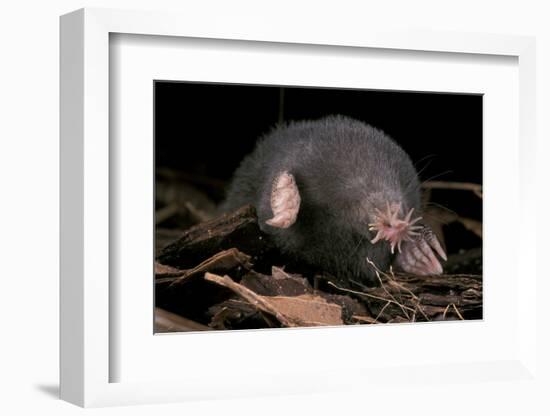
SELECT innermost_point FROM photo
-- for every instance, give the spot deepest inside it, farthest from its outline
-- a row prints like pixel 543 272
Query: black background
pixel 206 129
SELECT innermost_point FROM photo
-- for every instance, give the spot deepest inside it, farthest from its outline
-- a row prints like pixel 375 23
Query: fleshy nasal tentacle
pixel 390 227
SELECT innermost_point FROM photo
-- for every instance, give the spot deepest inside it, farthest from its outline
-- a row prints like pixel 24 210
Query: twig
pixel 422 311
pixel 368 295
pixel 471 225
pixel 456 310
pixel 377 272
pixel 381 311
pixel 391 280
pixel 198 215
pixel 464 186
pixel 165 213
pixel 395 283
pixel 445 311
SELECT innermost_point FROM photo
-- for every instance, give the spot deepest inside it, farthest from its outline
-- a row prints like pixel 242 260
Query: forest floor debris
pixel 224 274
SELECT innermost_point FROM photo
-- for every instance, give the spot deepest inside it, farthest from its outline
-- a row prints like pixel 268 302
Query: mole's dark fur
pixel 344 170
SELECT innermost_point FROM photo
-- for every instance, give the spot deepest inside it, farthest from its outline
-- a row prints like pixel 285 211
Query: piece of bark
pixel 286 284
pixel 420 298
pixel 235 230
pixel 468 261
pixel 358 319
pixel 350 307
pixel 170 322
pixel 165 236
pixel 290 285
pixel 304 310
pixel 398 320
pixel 278 273
pixel 250 296
pixel 226 261
pixel 227 317
pixel 162 270
pixel 239 314
pixel 190 295
pixel 308 310
pixel 223 316
pixel 235 314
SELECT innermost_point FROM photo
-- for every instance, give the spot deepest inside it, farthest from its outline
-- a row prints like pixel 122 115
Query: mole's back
pixel 335 160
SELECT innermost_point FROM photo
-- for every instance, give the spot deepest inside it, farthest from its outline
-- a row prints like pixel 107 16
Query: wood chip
pixel 308 310
pixel 170 322
pixel 304 310
pixel 162 270
pixel 270 286
pixel 239 229
pixel 223 262
pixel 364 319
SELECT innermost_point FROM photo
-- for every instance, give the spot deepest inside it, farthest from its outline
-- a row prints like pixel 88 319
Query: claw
pixel 406 262
pixel 434 243
pixel 419 254
pixel 433 263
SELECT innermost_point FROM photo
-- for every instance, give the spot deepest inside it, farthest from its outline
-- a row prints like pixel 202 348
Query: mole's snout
pixel 395 230
pixel 419 242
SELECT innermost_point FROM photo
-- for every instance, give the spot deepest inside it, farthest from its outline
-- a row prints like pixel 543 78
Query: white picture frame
pixel 87 301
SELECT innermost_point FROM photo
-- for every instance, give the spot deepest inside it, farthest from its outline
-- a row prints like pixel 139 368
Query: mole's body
pixel 335 192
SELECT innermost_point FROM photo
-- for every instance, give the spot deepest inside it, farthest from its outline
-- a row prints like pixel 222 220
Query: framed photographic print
pixel 287 211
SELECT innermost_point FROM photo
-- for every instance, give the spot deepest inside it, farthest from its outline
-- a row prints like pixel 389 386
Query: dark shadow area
pixel 208 128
